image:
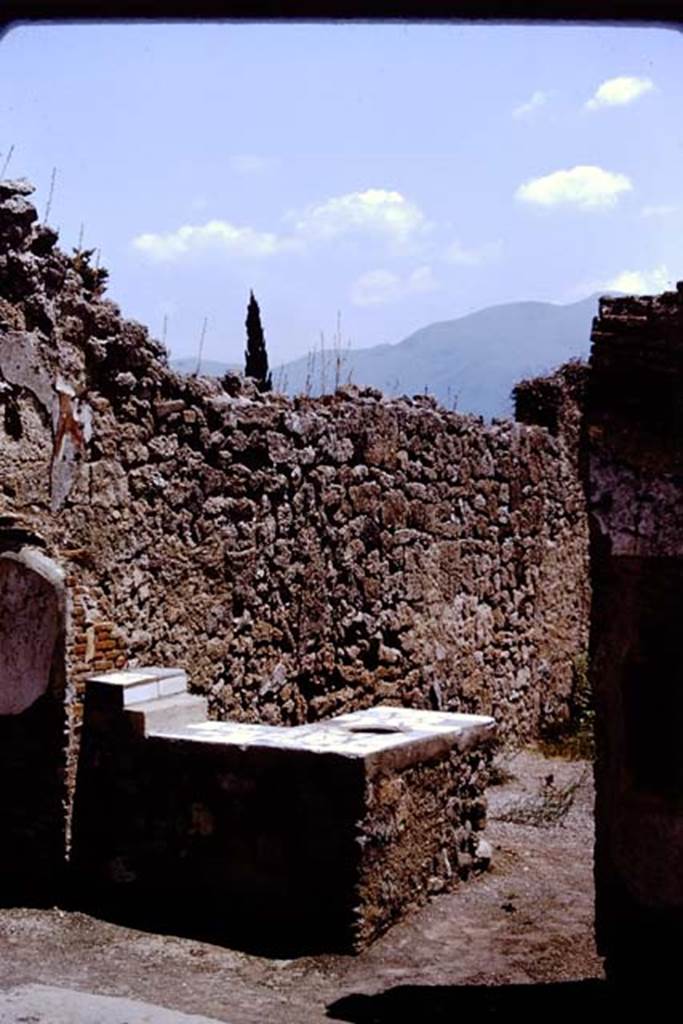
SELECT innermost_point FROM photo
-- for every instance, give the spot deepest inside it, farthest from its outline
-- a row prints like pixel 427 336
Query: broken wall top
pixel 636 380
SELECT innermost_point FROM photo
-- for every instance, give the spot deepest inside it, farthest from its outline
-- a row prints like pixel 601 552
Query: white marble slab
pixel 406 734
pixel 138 685
pixel 358 734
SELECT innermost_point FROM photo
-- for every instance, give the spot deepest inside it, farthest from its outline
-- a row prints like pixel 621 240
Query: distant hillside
pixel 471 363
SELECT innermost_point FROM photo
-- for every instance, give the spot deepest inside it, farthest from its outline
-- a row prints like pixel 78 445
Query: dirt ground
pixel 518 938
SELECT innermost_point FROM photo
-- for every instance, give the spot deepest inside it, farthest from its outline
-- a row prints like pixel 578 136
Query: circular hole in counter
pixel 376 730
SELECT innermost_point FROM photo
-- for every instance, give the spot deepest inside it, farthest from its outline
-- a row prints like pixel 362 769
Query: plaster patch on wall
pixel 69 445
pixel 22 365
pixel 639 511
pixel 29 622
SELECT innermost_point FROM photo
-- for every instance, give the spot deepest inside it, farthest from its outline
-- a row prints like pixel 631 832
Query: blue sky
pixel 398 174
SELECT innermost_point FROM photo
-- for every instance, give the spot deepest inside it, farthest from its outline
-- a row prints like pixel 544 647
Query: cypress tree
pixel 256 357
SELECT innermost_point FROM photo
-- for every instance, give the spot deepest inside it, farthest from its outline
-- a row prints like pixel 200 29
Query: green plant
pixel 3 172
pixel 94 277
pixel 574 741
pixel 256 357
pixel 200 352
pixel 329 364
pixel 582 697
pixel 500 771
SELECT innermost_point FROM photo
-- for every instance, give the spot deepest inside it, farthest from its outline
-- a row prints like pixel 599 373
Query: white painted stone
pixel 160 672
pixel 375 735
pixel 140 692
pixel 171 685
pixel 361 734
pixel 143 684
pixel 166 713
pixel 122 679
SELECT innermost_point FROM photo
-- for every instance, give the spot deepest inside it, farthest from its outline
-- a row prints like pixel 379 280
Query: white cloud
pixel 617 92
pixel 585 186
pixel 378 287
pixel 641 282
pixel 658 211
pixel 374 211
pixel 217 234
pixel 536 100
pixel 476 256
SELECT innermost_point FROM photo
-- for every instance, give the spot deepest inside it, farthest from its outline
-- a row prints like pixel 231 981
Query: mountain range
pixel 470 363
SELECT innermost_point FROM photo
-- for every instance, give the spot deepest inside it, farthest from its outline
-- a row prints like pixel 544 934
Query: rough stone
pixel 363 548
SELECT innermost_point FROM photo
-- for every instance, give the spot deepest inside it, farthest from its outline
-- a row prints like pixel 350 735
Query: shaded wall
pixel 32 720
pixel 634 423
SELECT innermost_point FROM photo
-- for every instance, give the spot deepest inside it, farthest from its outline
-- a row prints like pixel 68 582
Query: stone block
pixel 117 690
pixel 311 837
pixel 166 712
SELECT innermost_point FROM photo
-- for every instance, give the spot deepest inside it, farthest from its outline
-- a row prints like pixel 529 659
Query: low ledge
pixel 137 685
pixel 381 737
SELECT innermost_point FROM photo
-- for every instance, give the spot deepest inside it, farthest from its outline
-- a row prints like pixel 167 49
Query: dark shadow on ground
pixel 250 928
pixel 438 1004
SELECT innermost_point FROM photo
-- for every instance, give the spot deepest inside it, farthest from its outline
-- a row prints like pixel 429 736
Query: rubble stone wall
pixel 299 557
pixel 421 834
